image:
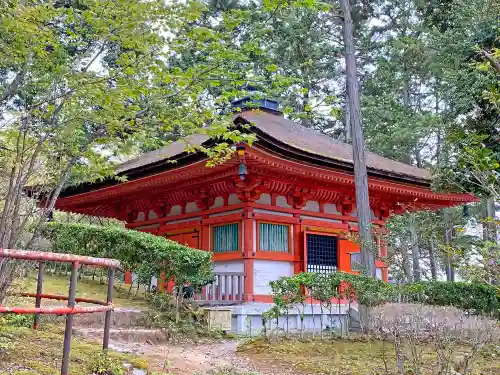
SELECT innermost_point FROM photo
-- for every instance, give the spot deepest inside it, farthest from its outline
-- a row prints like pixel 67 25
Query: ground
pixel 24 351
pixel 89 288
pixel 346 357
pixel 39 352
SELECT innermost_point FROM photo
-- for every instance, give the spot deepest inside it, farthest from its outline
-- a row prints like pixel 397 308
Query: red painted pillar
pixel 128 277
pixel 248 255
pixel 298 248
pixel 205 237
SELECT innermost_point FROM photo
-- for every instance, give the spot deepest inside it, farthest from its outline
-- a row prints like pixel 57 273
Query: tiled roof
pixel 290 133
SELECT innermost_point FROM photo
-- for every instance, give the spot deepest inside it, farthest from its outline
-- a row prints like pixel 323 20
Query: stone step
pixel 133 335
pixel 120 317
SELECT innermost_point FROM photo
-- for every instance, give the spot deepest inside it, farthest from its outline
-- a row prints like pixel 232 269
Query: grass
pixel 26 351
pixel 343 357
pixel 86 287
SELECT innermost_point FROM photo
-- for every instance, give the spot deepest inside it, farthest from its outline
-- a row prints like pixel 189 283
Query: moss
pixel 85 288
pixel 40 352
pixel 342 357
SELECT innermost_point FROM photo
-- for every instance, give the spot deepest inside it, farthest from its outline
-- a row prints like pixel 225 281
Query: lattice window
pixel 379 273
pixel 273 237
pixel 226 238
pixel 321 253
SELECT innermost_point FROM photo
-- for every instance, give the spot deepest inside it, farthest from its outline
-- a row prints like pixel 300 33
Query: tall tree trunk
pixel 432 257
pixel 415 250
pixel 406 265
pixel 347 121
pixel 358 144
pixel 491 230
pixel 450 271
pixel 358 154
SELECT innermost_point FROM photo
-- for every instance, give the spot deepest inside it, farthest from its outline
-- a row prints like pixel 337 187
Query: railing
pixel 226 289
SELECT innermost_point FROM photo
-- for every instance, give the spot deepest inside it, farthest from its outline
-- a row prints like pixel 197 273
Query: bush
pixel 475 298
pixel 187 320
pixel 105 365
pixel 456 338
pixel 148 255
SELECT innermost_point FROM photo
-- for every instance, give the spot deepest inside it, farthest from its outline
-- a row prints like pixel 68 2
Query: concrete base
pixel 247 319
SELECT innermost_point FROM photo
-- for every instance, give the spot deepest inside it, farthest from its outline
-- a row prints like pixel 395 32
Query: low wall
pixel 247 319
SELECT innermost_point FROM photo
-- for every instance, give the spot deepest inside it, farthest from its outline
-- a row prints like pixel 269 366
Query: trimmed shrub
pixel 475 298
pixel 148 255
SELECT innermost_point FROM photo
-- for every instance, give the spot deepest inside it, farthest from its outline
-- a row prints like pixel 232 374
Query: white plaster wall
pixel 331 209
pixel 140 217
pixel 184 220
pixel 320 219
pixel 152 215
pixel 191 207
pixel 271 212
pixel 218 202
pixel 269 270
pixel 225 213
pixel 312 206
pixel 229 266
pixel 152 226
pixel 281 202
pixel 233 199
pixel 176 210
pixel 264 199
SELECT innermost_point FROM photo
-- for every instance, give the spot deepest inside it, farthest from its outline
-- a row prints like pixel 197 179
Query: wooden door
pixel 191 239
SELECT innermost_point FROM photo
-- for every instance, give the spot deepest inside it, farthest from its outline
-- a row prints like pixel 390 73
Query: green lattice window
pixel 226 238
pixel 273 237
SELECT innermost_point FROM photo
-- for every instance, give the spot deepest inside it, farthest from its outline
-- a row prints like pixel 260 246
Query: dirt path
pixel 185 358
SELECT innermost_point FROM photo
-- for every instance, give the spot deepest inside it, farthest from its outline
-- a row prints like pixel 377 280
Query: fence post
pixel 69 319
pixel 109 300
pixel 39 291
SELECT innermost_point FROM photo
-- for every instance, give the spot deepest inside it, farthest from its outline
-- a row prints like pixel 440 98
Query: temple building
pixel 282 206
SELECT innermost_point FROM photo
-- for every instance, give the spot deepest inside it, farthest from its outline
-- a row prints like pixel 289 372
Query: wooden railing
pixel 226 289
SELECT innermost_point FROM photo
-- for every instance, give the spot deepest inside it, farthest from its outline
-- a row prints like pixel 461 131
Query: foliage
pixel 290 293
pixel 476 298
pixel 145 253
pixel 15 320
pixel 105 365
pixel 39 352
pixel 188 321
pixel 84 84
pixel 408 328
pixel 352 356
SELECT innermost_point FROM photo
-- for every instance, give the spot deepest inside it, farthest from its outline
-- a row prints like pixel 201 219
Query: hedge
pixel 148 255
pixel 475 298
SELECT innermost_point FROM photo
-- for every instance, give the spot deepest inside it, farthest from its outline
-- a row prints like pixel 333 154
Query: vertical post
pixel 241 283
pixel 69 319
pixel 109 300
pixel 219 287
pixel 248 253
pixel 39 291
pixel 226 288
pixel 233 286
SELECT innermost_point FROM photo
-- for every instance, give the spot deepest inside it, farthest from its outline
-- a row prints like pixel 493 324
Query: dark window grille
pixel 321 253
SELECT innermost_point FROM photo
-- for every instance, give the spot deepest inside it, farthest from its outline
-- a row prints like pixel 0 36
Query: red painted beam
pixel 57 257
pixel 55 310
